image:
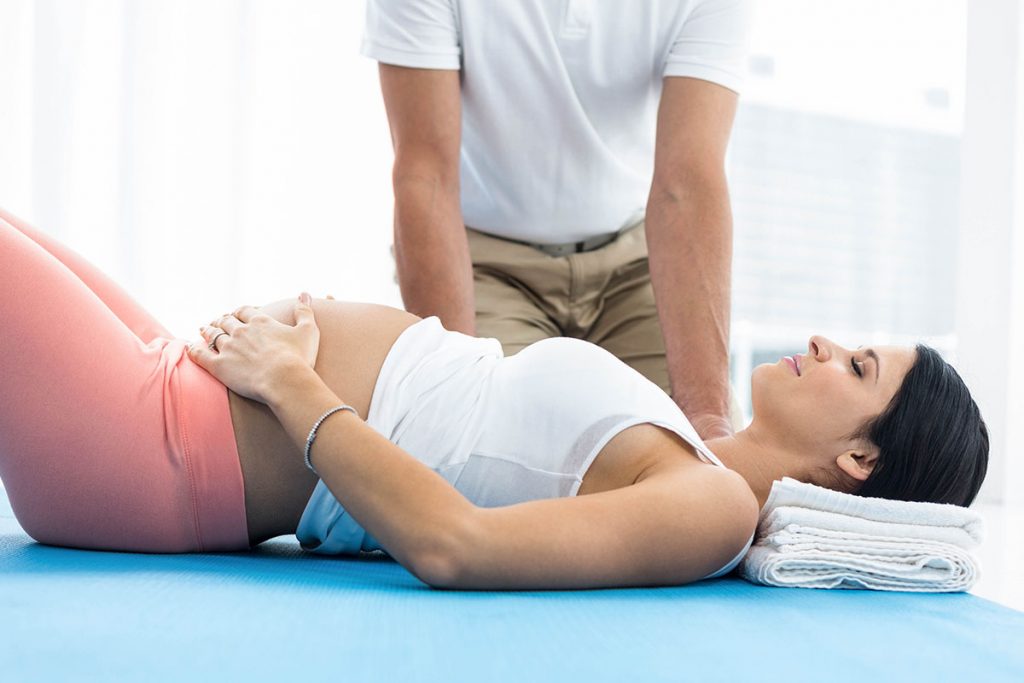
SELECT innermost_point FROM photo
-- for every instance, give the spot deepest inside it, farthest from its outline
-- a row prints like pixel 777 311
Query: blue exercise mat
pixel 277 613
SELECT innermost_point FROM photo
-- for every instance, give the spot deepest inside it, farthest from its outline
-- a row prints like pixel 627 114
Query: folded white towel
pixel 812 537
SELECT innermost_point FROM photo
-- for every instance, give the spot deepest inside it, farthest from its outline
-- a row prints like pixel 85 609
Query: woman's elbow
pixel 437 570
pixel 444 561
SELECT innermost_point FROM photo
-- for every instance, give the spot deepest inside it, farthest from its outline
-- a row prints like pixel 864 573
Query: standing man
pixel 541 146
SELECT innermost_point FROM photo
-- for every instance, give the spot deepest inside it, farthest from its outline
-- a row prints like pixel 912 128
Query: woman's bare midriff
pixel 355 338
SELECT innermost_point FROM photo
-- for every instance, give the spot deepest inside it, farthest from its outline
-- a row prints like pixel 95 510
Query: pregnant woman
pixel 361 427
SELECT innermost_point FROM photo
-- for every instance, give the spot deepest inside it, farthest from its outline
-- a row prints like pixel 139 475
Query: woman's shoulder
pixel 724 507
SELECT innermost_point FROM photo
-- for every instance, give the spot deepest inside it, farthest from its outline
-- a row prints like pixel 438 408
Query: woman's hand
pixel 252 353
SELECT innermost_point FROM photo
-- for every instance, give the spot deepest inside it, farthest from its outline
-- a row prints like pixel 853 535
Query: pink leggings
pixel 111 438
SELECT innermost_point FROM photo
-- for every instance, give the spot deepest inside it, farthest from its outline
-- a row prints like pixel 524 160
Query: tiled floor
pixel 1002 555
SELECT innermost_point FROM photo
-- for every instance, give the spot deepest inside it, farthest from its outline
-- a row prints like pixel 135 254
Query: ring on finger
pixel 213 342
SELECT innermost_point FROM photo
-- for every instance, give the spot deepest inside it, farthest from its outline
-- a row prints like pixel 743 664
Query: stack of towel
pixel 812 537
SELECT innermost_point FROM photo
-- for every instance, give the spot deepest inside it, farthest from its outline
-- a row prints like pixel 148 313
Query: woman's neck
pixel 756 460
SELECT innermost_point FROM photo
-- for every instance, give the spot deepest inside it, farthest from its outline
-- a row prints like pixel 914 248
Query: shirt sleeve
pixel 712 43
pixel 422 34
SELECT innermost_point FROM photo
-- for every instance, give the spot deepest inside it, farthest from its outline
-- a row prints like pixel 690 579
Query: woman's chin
pixel 760 379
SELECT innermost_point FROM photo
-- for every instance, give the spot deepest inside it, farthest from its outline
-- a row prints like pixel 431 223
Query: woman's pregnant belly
pixel 354 340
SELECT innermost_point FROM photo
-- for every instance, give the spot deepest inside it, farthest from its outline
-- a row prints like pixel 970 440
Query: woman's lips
pixel 792 362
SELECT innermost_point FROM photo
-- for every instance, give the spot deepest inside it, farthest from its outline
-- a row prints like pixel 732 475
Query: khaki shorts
pixel 603 296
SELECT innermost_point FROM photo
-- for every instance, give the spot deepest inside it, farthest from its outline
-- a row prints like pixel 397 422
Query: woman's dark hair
pixel 933 443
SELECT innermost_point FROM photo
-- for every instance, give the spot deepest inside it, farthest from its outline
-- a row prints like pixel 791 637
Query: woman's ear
pixel 858 464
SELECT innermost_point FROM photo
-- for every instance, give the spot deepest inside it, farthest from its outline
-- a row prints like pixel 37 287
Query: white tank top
pixel 500 430
pixel 551 408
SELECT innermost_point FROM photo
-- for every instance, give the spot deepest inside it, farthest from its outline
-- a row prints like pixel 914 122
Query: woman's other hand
pixel 253 354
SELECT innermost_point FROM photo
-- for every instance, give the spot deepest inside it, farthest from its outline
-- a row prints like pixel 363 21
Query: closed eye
pixel 856 366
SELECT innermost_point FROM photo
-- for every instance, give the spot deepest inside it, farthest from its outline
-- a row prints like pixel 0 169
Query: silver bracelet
pixel 316 426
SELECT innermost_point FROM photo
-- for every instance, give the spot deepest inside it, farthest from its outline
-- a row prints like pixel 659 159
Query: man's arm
pixel 435 273
pixel 689 237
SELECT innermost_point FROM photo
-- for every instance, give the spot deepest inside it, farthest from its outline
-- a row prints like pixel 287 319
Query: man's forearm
pixel 435 273
pixel 689 237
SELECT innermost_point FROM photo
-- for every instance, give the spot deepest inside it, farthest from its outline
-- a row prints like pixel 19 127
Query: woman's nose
pixel 819 347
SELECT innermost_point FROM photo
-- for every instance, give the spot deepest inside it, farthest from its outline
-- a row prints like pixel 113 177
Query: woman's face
pixel 815 401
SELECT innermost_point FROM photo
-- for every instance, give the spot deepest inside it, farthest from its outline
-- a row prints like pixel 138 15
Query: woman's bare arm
pixel 669 529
